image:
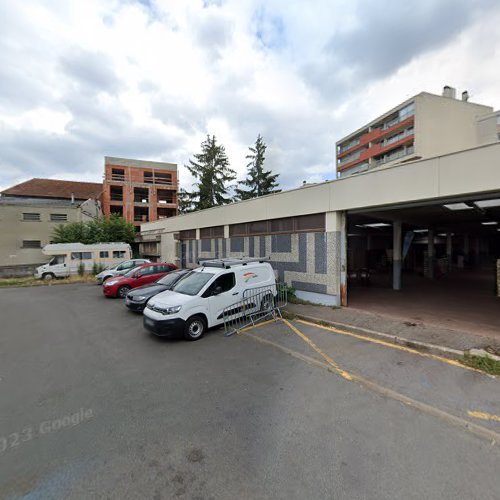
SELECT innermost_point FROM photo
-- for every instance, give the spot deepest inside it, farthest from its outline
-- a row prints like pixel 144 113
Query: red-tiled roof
pixel 51 188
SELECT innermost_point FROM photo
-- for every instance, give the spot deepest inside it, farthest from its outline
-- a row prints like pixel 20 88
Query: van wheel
pixel 122 291
pixel 48 276
pixel 267 303
pixel 195 328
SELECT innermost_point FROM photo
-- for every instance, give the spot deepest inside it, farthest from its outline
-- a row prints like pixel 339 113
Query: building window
pixel 118 254
pixel 349 145
pixel 212 232
pixel 148 177
pixel 284 225
pixel 81 255
pixel 30 216
pixel 313 222
pixel 189 234
pixel 165 196
pixel 58 217
pixel 103 255
pixel 163 178
pixel 116 210
pixel 141 195
pixel 164 213
pixel 351 157
pixel 238 229
pixel 117 174
pixel 141 214
pixel 116 193
pixel 259 227
pixel 32 244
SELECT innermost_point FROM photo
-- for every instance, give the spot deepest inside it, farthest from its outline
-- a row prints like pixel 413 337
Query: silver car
pixel 119 269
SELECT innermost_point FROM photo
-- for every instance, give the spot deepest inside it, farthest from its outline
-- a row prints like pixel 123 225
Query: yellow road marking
pixel 328 359
pixel 251 327
pixel 393 346
pixel 484 416
pixel 476 429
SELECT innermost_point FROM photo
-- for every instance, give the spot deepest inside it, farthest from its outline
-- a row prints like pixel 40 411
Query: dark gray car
pixel 137 298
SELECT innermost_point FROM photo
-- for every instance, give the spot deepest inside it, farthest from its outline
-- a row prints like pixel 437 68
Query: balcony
pixel 396 155
pixel 116 193
pixel 141 214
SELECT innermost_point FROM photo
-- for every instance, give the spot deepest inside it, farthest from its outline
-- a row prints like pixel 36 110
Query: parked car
pixel 69 258
pixel 137 298
pixel 119 269
pixel 197 301
pixel 119 286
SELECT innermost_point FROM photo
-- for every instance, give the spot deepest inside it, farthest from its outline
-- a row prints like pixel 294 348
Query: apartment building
pixel 139 191
pixel 424 126
pixel 29 213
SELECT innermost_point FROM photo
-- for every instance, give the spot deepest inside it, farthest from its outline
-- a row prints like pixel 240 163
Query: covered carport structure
pixel 384 227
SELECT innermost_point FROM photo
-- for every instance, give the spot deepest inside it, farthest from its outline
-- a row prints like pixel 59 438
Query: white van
pixel 198 300
pixel 67 257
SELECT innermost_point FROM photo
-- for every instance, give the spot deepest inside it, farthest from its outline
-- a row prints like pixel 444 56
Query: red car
pixel 147 273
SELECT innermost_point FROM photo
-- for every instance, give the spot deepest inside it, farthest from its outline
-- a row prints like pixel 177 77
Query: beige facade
pixel 26 225
pixel 424 126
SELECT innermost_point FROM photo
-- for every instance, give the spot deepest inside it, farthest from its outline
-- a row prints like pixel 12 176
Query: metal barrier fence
pixel 257 304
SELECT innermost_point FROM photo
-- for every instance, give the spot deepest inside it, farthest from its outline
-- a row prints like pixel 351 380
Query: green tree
pixel 185 201
pixel 258 181
pixel 100 230
pixel 212 171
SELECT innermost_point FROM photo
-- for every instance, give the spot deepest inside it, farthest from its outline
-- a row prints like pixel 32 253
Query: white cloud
pixel 81 80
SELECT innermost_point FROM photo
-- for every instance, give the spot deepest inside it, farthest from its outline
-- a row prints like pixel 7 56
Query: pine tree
pixel 185 202
pixel 211 168
pixel 259 181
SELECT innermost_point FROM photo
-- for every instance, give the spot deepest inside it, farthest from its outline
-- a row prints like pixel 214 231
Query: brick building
pixel 140 191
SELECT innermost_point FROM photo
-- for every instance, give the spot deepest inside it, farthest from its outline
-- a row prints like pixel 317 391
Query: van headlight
pixel 164 310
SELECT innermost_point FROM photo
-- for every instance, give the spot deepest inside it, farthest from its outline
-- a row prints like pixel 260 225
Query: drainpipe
pixel 396 254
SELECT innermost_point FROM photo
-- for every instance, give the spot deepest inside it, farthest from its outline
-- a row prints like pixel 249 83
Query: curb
pixel 415 344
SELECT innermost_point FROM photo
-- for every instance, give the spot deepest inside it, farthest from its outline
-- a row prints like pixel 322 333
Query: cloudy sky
pixel 149 79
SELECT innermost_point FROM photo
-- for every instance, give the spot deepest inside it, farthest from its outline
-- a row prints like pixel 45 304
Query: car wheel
pixel 267 303
pixel 195 328
pixel 122 291
pixel 48 276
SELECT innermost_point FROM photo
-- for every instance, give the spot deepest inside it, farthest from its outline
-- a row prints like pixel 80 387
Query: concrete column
pixel 226 231
pixel 449 250
pixel 430 254
pixel 396 254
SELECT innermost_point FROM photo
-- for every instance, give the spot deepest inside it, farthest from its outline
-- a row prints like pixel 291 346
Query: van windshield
pixel 193 283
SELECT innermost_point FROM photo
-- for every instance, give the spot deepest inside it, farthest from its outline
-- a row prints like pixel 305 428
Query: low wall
pixel 18 271
pixel 309 262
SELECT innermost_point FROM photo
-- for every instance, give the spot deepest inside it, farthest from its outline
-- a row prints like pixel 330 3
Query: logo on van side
pixel 248 276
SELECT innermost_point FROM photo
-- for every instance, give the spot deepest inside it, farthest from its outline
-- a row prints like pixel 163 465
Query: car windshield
pixel 193 283
pixel 171 278
pixel 132 271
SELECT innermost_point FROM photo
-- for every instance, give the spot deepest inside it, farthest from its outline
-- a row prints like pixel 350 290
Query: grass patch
pixel 30 281
pixel 487 365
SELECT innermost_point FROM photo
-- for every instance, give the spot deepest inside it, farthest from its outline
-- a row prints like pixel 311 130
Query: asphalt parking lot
pixel 92 406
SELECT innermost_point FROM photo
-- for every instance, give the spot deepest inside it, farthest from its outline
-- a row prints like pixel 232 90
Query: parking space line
pixel 484 416
pixel 478 430
pixel 394 346
pixel 328 359
pixel 257 325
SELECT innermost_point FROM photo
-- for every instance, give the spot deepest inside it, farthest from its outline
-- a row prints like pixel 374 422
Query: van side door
pixel 220 294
